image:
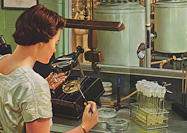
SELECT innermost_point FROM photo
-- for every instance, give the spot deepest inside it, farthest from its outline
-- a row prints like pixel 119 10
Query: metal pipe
pixel 69 30
pixel 162 62
pixel 148 33
pixel 157 57
pixel 93 17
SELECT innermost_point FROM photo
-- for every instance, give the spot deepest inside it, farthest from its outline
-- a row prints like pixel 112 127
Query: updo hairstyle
pixel 37 24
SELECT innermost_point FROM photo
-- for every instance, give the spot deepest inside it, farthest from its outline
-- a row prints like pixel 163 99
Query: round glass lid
pixel 106 112
pixel 117 124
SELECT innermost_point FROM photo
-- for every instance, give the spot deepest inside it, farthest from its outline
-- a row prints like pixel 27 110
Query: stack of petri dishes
pixel 108 88
pixel 108 116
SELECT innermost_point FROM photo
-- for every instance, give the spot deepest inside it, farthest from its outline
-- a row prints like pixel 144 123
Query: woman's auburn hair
pixel 37 24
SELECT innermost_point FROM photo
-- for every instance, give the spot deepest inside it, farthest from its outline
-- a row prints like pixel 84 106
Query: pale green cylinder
pixel 120 47
pixel 171 27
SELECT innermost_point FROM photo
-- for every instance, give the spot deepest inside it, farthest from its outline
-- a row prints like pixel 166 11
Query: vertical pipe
pixel 93 17
pixel 148 30
pixel 70 30
pixel 185 89
pixel 118 91
pixel 64 49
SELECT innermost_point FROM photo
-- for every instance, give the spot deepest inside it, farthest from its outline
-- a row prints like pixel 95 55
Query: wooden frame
pixel 18 4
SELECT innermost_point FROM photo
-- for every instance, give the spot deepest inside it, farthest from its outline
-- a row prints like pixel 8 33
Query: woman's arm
pixel 38 126
pixel 89 120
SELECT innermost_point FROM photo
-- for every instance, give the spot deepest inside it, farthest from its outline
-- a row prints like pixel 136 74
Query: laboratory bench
pixel 175 124
pixel 130 76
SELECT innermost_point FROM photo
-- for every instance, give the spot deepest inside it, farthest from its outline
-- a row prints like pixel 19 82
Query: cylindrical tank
pixel 120 47
pixel 171 27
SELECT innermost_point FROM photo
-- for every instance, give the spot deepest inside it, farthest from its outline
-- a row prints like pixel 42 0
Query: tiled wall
pixel 8 19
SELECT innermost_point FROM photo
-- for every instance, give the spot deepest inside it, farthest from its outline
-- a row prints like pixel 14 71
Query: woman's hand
pixel 89 120
pixel 55 80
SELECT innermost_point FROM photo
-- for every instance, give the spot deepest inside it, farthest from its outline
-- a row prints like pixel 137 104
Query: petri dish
pixel 107 84
pixel 105 114
pixel 117 124
pixel 107 93
pixel 108 88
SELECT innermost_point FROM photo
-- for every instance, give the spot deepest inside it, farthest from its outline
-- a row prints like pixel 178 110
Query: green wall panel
pixel 8 19
pixel 55 7
pixel 11 17
pixel 2 18
pixel 61 7
pixel 66 30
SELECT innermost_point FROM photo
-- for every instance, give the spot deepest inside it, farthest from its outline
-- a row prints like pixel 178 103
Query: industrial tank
pixel 120 47
pixel 171 27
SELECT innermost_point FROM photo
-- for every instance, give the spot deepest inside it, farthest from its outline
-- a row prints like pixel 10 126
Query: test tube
pixel 155 105
pixel 143 102
pixel 149 98
pixel 162 95
pixel 138 92
pixel 157 97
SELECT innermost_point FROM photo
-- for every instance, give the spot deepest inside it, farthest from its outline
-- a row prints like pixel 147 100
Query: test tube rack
pixel 149 120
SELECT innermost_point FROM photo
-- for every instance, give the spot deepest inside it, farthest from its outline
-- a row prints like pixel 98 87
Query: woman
pixel 25 101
